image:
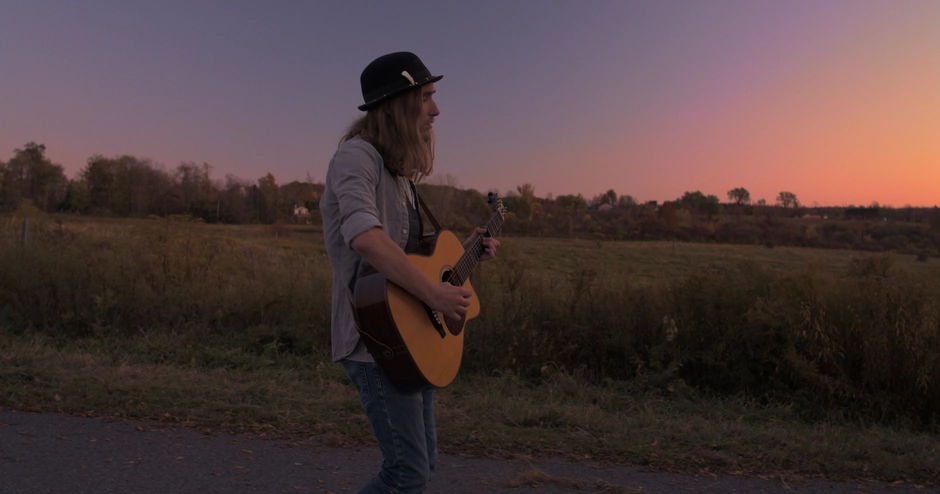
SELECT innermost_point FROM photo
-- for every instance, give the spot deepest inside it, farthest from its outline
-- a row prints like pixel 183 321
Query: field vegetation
pixel 694 357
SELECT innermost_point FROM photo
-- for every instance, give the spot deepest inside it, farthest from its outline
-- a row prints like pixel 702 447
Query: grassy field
pixel 237 340
pixel 649 262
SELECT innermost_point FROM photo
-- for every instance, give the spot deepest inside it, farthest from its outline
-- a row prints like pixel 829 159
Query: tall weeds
pixel 863 343
pixel 86 280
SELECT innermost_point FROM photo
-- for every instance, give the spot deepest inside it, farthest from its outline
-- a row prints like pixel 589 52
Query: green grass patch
pixel 284 395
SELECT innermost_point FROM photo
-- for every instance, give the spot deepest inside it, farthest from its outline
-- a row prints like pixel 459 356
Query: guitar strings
pixel 467 262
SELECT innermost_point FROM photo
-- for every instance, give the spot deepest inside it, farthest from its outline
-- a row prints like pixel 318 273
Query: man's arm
pixel 387 257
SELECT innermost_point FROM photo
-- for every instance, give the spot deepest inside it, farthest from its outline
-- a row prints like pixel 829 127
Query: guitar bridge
pixel 435 320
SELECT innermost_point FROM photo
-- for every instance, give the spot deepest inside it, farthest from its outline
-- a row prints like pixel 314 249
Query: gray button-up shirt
pixel 360 194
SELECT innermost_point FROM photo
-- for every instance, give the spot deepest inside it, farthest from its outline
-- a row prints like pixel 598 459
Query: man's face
pixel 429 110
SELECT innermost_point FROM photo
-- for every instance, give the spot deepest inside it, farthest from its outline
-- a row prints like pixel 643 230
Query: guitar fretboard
pixel 470 258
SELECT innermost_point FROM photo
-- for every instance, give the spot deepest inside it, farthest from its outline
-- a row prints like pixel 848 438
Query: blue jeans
pixel 403 424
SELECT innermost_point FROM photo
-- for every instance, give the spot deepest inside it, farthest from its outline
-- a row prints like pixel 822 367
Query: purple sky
pixel 834 101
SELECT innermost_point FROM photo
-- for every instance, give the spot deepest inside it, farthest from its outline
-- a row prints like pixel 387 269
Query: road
pixel 52 453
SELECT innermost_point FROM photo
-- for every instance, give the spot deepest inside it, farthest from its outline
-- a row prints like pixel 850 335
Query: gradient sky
pixel 835 101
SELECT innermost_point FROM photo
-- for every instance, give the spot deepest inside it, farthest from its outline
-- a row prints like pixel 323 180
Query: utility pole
pixel 25 231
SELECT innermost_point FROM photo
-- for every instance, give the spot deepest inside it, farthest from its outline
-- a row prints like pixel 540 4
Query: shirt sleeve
pixel 355 173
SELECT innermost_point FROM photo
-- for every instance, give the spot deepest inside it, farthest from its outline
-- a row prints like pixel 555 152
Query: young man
pixel 370 220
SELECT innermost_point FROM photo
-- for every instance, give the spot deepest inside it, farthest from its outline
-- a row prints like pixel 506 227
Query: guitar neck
pixel 473 253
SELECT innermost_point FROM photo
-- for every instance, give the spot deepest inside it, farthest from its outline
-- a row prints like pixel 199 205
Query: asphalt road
pixel 52 453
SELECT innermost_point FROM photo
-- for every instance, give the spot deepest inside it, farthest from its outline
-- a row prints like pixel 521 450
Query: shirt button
pixel 403 230
pixel 403 203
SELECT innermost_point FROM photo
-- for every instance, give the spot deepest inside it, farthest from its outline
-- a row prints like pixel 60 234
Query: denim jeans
pixel 403 424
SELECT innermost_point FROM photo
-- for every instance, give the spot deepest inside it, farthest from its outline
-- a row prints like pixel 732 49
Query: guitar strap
pixel 427 211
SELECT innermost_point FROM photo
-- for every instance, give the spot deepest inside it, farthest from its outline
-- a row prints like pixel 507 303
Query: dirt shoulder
pixel 53 453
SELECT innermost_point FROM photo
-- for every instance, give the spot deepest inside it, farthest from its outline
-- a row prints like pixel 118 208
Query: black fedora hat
pixel 392 74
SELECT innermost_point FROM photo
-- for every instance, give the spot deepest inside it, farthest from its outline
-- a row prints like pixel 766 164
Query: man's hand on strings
pixel 489 243
pixel 450 300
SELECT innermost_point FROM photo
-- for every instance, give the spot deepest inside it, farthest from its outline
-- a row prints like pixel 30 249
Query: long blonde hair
pixel 392 128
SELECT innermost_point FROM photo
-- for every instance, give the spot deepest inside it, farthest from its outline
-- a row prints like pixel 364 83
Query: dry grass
pixel 681 431
pixel 658 262
pixel 230 332
pixel 490 416
pixel 304 399
pixel 495 416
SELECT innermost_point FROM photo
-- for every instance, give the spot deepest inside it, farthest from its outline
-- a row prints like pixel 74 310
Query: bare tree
pixel 697 203
pixel 626 201
pixel 529 202
pixel 739 196
pixel 30 175
pixel 446 180
pixel 233 205
pixel 788 200
pixel 267 186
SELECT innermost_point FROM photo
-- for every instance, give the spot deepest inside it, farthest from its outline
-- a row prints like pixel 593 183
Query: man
pixel 370 220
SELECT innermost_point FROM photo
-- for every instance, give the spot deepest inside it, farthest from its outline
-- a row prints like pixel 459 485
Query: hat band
pixel 394 87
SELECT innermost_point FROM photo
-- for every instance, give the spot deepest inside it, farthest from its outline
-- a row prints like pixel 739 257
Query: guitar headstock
pixel 496 203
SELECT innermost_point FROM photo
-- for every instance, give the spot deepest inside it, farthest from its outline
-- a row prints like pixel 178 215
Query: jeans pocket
pixel 357 373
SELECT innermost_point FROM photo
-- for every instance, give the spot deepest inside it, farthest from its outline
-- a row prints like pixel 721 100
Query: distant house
pixel 301 214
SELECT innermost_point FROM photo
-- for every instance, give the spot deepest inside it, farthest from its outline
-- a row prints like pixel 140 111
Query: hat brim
pixel 385 97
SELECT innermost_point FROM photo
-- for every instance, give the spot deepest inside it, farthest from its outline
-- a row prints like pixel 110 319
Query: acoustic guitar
pixel 413 345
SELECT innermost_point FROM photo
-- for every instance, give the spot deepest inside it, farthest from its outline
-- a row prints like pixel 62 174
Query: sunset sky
pixel 835 101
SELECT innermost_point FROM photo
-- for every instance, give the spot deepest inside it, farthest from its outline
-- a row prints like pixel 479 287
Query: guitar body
pixel 413 346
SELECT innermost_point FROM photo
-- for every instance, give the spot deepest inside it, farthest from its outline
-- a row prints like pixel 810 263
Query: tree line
pixel 697 217
pixel 127 186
